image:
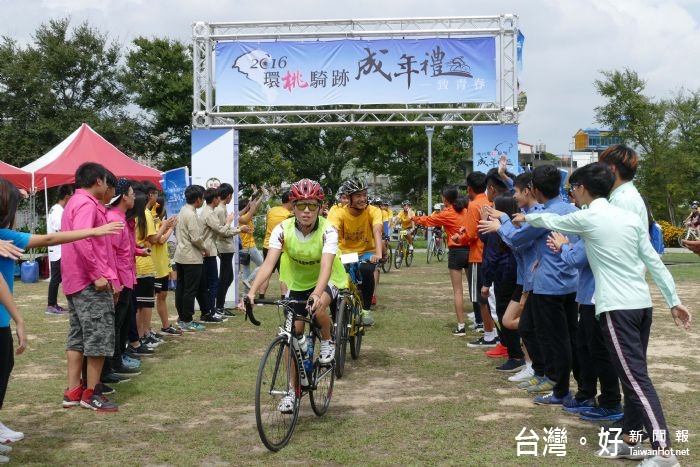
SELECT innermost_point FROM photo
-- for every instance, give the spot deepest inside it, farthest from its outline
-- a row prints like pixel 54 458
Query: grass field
pixel 417 395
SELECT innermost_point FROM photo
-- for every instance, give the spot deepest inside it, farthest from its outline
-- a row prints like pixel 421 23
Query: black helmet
pixel 353 185
pixel 405 203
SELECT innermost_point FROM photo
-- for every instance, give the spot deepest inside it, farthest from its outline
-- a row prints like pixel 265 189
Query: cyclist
pixel 341 199
pixel 306 245
pixel 359 228
pixel 438 231
pixel 404 218
pixel 693 220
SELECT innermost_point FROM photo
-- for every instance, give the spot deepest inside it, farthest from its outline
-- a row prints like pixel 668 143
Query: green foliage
pixel 671 233
pixel 666 132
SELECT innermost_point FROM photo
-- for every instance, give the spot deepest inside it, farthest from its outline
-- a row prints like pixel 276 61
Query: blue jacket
pixel 498 264
pixel 575 255
pixel 525 256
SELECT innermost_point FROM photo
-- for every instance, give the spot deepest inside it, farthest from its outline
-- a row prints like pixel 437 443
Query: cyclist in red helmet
pixel 306 245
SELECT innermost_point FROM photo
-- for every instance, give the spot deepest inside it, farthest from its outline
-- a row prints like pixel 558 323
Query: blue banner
pixel 491 142
pixel 389 71
pixel 174 183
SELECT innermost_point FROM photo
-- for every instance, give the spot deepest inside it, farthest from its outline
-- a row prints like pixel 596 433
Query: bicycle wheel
pixel 323 378
pixel 357 330
pixel 440 253
pixel 275 380
pixel 386 265
pixel 431 248
pixel 341 336
pixel 681 237
pixel 398 255
pixel 409 258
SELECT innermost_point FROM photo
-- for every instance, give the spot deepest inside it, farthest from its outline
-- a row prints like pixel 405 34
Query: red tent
pixel 58 166
pixel 19 177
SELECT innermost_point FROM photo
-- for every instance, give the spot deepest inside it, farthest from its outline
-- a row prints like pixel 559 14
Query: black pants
pixel 594 361
pixel 54 283
pixel 212 280
pixel 132 331
pixel 475 282
pixel 190 286
pixel 367 286
pixel 626 334
pixel 122 312
pixel 556 319
pixel 7 360
pixel 509 338
pixel 526 329
pixel 225 278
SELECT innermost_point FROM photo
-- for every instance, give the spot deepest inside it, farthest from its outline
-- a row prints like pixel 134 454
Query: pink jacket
pixel 124 247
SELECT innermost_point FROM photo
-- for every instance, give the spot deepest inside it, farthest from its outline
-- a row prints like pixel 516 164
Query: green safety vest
pixel 300 263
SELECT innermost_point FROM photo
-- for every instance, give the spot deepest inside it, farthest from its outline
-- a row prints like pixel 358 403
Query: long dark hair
pixel 451 195
pixel 160 211
pixel 138 212
pixel 506 204
pixel 9 200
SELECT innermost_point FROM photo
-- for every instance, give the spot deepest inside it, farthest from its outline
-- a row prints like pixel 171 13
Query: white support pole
pixel 429 130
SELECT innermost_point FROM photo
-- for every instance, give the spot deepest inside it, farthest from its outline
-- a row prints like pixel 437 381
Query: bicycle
pixel 691 233
pixel 403 253
pixel 283 371
pixel 436 245
pixel 386 265
pixel 348 325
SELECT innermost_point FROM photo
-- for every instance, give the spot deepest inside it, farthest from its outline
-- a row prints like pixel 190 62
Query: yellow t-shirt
pixel 274 217
pixel 144 264
pixel 247 239
pixel 355 232
pixel 159 254
pixel 387 215
pixel 405 219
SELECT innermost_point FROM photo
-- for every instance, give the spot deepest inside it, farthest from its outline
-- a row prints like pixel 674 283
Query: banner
pixel 212 157
pixel 492 141
pixel 388 71
pixel 174 183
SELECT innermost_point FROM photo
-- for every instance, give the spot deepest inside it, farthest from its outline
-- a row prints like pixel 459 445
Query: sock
pixel 282 297
pixel 490 335
pixel 460 325
pixel 261 296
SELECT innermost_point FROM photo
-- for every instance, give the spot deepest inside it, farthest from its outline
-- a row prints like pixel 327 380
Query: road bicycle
pixel 403 253
pixel 436 247
pixel 284 370
pixel 386 264
pixel 691 233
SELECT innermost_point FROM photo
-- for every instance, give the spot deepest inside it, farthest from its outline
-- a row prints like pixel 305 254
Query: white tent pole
pixel 46 208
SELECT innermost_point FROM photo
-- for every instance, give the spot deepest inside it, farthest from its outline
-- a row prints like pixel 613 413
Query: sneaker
pixel 523 375
pixel 226 312
pixel 105 389
pixel 482 343
pixel 150 342
pixel 129 362
pixel 286 405
pixel 619 449
pixel 367 319
pixel 574 405
pixel 459 331
pixel 60 308
pixel 533 381
pixel 129 352
pixel 186 327
pixel 171 331
pixel 4 459
pixel 223 318
pixel 512 365
pixel 478 327
pixel 660 461
pixel 8 435
pixel 141 350
pixel 5 449
pixel 157 335
pixel 545 385
pixel 113 378
pixel 327 353
pixel 551 399
pixel 123 370
pixel 55 310
pixel 71 397
pixel 210 318
pixel 410 248
pixel 500 351
pixel 197 327
pixel 602 414
pixel 96 401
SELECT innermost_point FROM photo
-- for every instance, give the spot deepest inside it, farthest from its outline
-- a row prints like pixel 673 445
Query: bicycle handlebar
pixel 265 301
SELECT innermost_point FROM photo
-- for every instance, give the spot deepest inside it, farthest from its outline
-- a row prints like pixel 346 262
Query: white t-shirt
pixel 53 224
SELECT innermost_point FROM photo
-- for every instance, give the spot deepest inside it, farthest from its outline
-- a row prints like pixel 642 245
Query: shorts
pixel 475 282
pixel 277 264
pixel 91 322
pixel 145 292
pixel 457 257
pixel 303 295
pixel 161 284
pixel 517 293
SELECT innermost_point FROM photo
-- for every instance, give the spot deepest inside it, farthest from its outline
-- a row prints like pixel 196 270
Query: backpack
pixel 656 236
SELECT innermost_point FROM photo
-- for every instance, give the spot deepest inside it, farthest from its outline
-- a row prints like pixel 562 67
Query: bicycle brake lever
pixel 249 312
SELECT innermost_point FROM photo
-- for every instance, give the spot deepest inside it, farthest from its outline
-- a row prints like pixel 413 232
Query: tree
pixel 666 133
pixel 64 78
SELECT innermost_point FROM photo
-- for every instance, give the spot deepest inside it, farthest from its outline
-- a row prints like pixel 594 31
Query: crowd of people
pixel 557 288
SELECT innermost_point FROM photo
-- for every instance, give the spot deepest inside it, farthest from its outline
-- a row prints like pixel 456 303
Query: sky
pixel 567 43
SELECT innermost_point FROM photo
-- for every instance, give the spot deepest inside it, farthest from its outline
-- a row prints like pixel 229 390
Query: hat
pixel 121 189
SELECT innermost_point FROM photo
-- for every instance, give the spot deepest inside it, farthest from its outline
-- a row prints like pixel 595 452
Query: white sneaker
pixel 4 459
pixel 523 375
pixel 659 461
pixel 286 405
pixel 5 449
pixel 327 352
pixel 221 316
pixel 9 436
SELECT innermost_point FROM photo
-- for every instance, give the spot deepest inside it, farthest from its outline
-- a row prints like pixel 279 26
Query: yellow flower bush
pixel 671 233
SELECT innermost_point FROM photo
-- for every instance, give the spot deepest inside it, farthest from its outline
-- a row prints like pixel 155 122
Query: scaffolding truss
pixel 503 110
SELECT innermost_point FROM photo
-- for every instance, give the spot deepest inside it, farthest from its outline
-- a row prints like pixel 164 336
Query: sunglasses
pixel 574 186
pixel 302 206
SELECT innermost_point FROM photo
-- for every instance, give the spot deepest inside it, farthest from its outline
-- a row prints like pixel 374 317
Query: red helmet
pixel 306 189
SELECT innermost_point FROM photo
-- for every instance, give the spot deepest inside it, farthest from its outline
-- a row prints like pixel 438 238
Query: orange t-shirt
pixel 476 246
pixel 451 220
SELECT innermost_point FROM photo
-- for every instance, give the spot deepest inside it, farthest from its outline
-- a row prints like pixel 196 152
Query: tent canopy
pixel 19 177
pixel 58 166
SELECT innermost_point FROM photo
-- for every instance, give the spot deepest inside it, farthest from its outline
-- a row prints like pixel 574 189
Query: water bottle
pixel 308 363
pixel 302 345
